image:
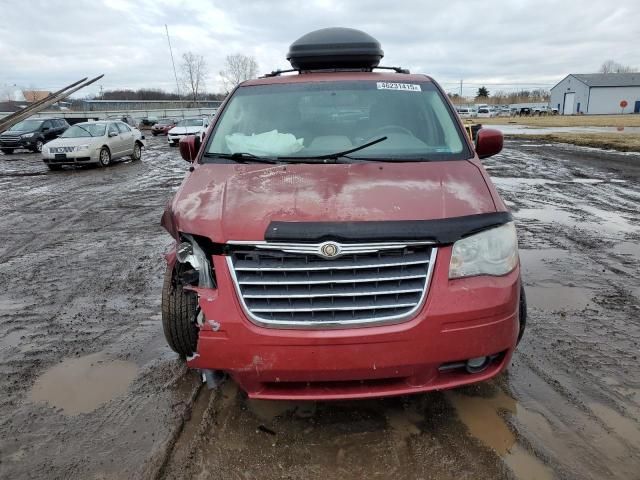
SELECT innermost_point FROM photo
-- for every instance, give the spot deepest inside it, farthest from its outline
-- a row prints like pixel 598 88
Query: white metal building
pixel 597 93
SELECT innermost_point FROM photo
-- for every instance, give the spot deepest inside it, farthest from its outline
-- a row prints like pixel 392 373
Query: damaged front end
pixel 189 273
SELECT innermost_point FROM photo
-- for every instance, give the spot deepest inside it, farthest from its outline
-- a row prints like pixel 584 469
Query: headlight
pixel 492 252
pixel 27 135
pixel 80 148
pixel 191 253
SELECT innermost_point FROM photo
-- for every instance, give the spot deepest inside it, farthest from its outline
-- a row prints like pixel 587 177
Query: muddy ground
pixel 88 388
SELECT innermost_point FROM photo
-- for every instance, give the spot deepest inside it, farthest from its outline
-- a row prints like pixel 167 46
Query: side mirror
pixel 189 147
pixel 113 134
pixel 488 142
pixel 45 129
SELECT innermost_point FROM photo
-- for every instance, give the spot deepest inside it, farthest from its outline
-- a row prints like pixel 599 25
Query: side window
pixel 123 127
pixel 113 129
pixel 48 124
pixel 60 123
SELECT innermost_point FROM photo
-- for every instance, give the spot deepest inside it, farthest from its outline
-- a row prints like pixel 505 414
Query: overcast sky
pixel 50 43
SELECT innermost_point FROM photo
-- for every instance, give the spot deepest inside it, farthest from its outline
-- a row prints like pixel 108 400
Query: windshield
pixel 314 119
pixel 190 122
pixel 27 125
pixel 84 130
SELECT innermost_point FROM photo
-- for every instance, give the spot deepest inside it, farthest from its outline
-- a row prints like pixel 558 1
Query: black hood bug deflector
pixel 442 231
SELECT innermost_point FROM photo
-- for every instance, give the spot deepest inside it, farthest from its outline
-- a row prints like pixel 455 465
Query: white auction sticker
pixel 406 87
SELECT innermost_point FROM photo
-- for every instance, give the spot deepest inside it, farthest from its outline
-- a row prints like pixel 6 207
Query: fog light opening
pixel 477 365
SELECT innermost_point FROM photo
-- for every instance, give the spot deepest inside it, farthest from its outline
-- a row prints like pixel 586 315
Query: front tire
pixel 105 157
pixel 137 152
pixel 7 151
pixel 522 314
pixel 178 316
pixel 38 146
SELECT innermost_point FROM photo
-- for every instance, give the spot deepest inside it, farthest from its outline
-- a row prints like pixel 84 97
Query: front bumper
pixel 174 139
pixel 71 158
pixel 28 143
pixel 460 319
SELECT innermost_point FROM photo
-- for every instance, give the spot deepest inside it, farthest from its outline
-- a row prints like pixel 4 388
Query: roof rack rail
pixel 276 73
pixel 395 69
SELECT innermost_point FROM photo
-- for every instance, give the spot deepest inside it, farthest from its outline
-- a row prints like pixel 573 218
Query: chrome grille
pixel 10 138
pixel 293 286
pixel 62 149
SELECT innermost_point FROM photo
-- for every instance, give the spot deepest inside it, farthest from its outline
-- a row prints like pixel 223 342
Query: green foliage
pixel 482 92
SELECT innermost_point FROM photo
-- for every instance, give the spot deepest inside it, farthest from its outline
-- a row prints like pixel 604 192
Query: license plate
pixel 61 156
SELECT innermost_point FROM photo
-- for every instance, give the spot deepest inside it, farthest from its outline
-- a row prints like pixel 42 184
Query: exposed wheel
pixel 39 145
pixel 105 157
pixel 54 167
pixel 523 313
pixel 137 151
pixel 7 151
pixel 154 134
pixel 178 316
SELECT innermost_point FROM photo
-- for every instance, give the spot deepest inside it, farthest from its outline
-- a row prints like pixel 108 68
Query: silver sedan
pixel 93 142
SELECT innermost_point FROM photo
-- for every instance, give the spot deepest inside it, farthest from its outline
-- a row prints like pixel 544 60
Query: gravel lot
pixel 88 388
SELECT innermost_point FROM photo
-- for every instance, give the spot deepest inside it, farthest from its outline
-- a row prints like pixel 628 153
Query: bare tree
pixel 6 93
pixel 194 73
pixel 237 69
pixel 611 66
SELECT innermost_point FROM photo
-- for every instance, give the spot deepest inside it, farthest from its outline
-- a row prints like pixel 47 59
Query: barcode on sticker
pixel 407 87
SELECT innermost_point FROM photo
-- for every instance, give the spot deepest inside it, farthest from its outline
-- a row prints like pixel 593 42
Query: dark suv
pixel 32 134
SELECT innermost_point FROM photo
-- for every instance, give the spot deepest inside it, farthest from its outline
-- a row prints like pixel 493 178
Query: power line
pixel 175 74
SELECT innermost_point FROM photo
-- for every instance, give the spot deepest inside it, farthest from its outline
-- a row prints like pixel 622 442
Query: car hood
pixel 74 141
pixel 237 202
pixel 17 132
pixel 183 130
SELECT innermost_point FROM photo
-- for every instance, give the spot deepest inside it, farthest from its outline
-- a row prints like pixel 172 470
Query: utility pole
pixel 175 74
pixel 101 93
pixel 460 88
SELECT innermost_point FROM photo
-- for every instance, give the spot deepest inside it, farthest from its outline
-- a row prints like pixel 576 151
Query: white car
pixel 467 112
pixel 188 126
pixel 93 142
pixel 487 112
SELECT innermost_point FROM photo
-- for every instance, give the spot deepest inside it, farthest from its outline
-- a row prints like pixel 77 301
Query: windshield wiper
pixel 344 153
pixel 242 157
pixel 85 130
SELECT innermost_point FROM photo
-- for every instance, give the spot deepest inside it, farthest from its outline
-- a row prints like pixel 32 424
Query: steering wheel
pixel 390 129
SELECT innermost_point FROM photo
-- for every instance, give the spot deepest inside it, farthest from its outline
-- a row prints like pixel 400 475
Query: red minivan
pixel 338 237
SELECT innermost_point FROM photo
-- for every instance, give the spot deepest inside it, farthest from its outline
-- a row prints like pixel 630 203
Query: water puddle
pixel 625 428
pixel 549 214
pixel 627 248
pixel 12 339
pixel 536 264
pixel 482 416
pixel 519 181
pixel 80 385
pixel 553 297
pixel 598 219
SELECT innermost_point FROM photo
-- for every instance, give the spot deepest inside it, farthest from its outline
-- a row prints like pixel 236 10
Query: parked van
pixel 323 254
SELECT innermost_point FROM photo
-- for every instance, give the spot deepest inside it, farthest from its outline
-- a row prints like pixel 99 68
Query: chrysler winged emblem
pixel 329 249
